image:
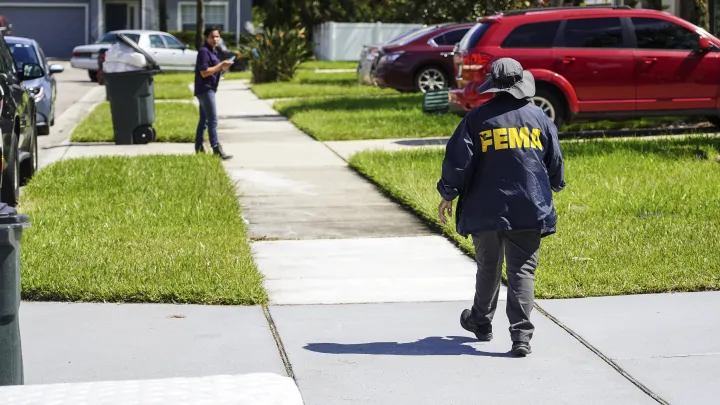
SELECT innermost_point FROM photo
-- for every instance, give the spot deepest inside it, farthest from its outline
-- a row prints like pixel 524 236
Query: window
pixel 473 37
pixel 173 43
pixel 6 61
pixel 43 59
pixel 593 33
pixel 535 35
pixel 134 37
pixel 653 33
pixel 451 38
pixel 111 38
pixel 156 42
pixel 215 15
pixel 23 53
pixel 410 36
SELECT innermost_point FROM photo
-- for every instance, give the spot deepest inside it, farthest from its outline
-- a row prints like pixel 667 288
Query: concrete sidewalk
pixel 322 238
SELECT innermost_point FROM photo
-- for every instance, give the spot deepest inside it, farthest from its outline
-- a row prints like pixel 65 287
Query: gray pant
pixel 520 250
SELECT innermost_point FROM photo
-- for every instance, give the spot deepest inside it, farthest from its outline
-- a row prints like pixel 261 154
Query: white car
pixel 168 51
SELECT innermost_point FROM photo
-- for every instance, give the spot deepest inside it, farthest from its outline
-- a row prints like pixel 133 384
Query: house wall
pixel 238 12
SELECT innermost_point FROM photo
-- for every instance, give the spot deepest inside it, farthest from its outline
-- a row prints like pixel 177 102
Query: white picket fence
pixel 344 41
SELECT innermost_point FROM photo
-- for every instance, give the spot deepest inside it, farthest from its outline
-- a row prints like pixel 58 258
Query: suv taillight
pixel 476 62
pixel 473 68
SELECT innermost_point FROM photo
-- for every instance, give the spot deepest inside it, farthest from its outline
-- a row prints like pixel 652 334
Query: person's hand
pixel 226 64
pixel 445 205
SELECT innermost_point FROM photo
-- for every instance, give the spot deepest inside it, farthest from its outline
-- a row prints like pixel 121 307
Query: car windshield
pixel 23 53
pixel 410 36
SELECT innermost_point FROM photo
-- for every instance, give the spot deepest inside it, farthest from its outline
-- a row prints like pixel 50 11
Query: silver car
pixel 43 89
pixel 168 51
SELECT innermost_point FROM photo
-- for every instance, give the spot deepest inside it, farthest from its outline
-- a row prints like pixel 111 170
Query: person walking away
pixel 208 69
pixel 502 162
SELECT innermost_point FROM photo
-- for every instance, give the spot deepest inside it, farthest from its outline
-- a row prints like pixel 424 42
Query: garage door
pixel 57 29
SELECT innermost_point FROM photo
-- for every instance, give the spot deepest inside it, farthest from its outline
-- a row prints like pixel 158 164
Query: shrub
pixel 276 54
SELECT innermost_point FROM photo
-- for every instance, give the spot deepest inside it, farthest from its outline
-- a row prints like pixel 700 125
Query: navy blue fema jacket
pixel 503 160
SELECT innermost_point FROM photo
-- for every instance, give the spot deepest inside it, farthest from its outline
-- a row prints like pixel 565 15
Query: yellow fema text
pixel 510 138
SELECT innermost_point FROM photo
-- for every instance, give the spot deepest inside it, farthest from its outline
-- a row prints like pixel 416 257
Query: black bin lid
pixel 10 217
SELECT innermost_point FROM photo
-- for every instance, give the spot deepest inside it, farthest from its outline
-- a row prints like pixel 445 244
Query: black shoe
pixel 521 349
pixel 483 333
pixel 199 149
pixel 217 149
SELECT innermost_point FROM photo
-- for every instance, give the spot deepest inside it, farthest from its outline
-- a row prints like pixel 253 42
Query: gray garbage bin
pixel 11 229
pixel 132 101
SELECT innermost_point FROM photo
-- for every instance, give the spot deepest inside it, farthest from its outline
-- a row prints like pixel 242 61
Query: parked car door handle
pixel 650 61
pixel 567 60
pixel 446 54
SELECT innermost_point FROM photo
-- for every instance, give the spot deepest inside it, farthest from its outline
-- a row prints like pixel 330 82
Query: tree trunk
pixel 696 11
pixel 199 24
pixel 702 11
pixel 162 11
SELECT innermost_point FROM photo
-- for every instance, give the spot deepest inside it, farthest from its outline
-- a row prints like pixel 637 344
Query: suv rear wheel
pixel 551 105
pixel 715 120
pixel 430 78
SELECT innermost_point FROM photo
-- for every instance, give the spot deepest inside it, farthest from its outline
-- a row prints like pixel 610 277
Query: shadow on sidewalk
pixel 429 346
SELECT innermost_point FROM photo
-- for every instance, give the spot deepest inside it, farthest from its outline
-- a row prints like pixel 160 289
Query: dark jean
pixel 208 119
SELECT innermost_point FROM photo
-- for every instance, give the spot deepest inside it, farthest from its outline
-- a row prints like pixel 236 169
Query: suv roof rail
pixel 530 10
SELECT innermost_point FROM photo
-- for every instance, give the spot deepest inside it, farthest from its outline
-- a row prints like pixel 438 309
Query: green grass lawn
pixel 174 122
pixel 308 83
pixel 356 117
pixel 328 64
pixel 186 78
pixel 636 216
pixel 143 229
pixel 173 91
pixel 352 117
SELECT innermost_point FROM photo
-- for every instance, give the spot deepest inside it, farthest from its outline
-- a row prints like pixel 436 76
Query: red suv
pixel 596 62
pixel 420 61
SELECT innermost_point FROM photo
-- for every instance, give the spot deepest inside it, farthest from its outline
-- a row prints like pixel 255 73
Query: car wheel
pixel 93 76
pixel 143 134
pixel 44 130
pixel 430 78
pixel 10 192
pixel 715 120
pixel 551 105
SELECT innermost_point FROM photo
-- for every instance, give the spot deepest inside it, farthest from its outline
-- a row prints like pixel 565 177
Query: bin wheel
pixel 143 134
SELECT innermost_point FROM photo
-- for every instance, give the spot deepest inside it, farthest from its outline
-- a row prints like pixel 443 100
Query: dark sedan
pixel 43 89
pixel 421 61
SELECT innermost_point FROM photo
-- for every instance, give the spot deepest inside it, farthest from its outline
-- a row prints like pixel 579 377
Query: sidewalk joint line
pixel 279 343
pixel 600 354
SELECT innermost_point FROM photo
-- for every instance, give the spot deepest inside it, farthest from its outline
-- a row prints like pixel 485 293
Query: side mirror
pixel 185 47
pixel 31 71
pixel 704 44
pixel 56 69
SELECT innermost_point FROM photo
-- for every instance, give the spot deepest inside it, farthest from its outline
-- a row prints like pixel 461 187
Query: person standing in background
pixel 208 69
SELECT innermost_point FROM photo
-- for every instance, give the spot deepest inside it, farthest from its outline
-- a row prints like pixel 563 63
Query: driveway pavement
pixel 72 85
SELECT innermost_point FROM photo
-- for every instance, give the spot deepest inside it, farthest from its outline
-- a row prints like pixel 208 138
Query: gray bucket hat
pixel 508 75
